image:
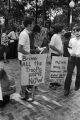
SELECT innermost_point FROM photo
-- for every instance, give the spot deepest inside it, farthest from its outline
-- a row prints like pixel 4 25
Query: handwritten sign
pixel 33 69
pixel 58 69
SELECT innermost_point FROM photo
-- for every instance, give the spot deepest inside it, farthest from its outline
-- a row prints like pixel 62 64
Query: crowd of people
pixel 9 43
pixel 57 42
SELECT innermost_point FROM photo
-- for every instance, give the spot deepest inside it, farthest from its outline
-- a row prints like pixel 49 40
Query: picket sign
pixel 58 69
pixel 33 69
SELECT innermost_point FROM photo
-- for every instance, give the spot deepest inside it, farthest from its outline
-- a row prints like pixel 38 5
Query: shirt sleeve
pixel 23 38
pixel 70 43
pixel 53 40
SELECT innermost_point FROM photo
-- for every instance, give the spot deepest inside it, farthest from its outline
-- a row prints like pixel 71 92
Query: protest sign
pixel 33 69
pixel 58 69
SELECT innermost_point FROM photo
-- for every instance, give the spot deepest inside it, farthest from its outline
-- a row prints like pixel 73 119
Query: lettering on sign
pixel 58 69
pixel 33 69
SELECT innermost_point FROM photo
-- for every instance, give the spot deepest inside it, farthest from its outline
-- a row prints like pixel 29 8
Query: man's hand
pixel 60 53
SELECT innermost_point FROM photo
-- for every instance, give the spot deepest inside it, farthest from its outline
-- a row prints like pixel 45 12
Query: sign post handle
pixel 33 92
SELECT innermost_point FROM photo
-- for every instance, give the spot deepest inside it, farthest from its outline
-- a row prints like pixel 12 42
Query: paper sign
pixel 58 69
pixel 1 97
pixel 33 69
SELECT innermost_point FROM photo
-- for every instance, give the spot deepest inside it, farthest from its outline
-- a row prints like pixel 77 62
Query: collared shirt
pixel 74 47
pixel 13 35
pixel 57 42
pixel 25 41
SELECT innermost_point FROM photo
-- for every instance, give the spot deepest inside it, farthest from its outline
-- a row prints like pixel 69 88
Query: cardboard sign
pixel 58 69
pixel 33 69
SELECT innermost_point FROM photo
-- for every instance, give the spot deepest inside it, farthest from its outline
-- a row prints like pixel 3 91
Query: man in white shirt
pixel 74 60
pixel 24 41
pixel 24 46
pixel 56 45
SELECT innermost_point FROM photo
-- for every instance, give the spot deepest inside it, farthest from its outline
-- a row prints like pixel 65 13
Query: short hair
pixel 67 35
pixel 27 21
pixel 57 28
pixel 36 29
pixel 3 30
pixel 77 28
pixel 14 28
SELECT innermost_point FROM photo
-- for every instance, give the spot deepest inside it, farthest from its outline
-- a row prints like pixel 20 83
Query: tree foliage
pixel 17 10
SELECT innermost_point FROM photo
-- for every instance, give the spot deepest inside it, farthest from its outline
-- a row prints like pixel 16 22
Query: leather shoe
pixel 76 88
pixel 66 92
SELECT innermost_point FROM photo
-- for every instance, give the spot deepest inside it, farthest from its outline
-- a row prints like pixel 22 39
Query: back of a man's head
pixel 67 35
pixel 27 21
pixel 36 29
pixel 57 28
pixel 3 30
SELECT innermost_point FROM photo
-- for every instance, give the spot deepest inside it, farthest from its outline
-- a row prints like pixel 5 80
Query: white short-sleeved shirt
pixel 25 41
pixel 13 35
pixel 57 42
pixel 74 45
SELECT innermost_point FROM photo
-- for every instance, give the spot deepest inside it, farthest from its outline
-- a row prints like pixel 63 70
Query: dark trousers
pixel 13 49
pixel 5 100
pixel 53 54
pixel 73 61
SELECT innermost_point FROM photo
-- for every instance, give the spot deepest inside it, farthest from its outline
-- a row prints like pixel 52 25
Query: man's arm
pixel 55 49
pixel 20 49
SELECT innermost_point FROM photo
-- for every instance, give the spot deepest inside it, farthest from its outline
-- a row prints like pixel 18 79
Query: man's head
pixel 4 30
pixel 57 28
pixel 28 23
pixel 77 32
pixel 36 29
pixel 67 35
pixel 14 29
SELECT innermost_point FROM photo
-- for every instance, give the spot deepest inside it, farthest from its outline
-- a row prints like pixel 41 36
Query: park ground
pixel 48 104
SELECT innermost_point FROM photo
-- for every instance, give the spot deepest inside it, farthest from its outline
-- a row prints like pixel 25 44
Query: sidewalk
pixel 49 104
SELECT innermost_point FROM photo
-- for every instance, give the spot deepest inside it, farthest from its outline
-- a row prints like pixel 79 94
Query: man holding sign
pixel 24 46
pixel 56 45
